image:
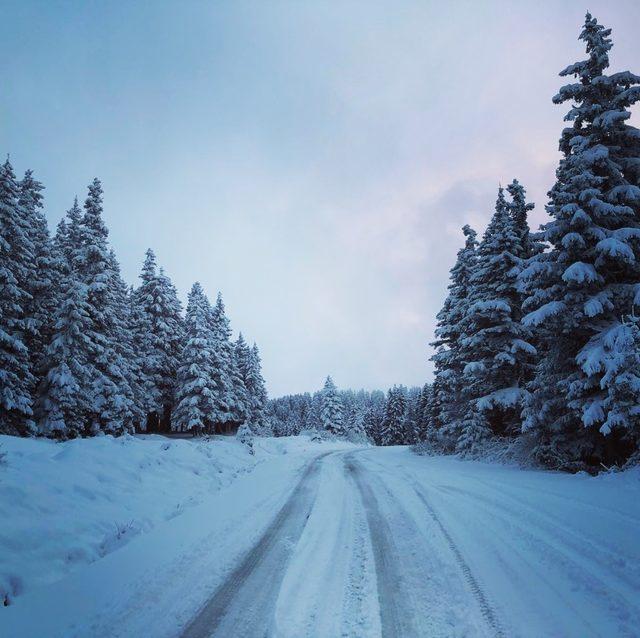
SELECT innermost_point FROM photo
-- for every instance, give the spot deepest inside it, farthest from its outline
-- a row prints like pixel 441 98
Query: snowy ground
pixel 311 539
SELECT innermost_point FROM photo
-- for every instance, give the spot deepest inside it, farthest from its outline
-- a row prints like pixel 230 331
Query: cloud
pixel 314 162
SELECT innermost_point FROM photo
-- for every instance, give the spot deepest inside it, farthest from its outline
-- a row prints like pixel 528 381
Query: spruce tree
pixel 588 280
pixel 392 431
pixel 160 336
pixel 197 403
pixel 230 395
pixel 448 406
pixel 63 401
pixel 372 423
pixel 257 391
pixel 425 414
pixel 519 210
pixel 331 409
pixel 41 285
pixel 16 257
pixel 495 344
pixel 96 269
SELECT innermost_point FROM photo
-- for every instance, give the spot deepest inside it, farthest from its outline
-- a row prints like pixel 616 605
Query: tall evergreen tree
pixel 519 210
pixel 589 279
pixel 111 406
pixel 257 391
pixel 392 431
pixel 372 423
pixel 159 336
pixel 331 409
pixel 41 284
pixel 448 407
pixel 16 257
pixel 495 344
pixel 425 414
pixel 231 395
pixel 63 401
pixel 197 403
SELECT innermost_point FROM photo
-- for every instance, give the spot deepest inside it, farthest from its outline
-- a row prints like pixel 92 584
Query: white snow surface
pixel 310 539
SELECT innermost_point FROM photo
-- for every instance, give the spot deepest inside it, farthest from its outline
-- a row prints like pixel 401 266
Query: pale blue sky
pixel 314 161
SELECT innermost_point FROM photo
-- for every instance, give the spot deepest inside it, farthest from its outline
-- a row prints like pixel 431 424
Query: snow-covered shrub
pixel 245 436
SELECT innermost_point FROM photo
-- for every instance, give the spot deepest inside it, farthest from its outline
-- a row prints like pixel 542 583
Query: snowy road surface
pixel 369 542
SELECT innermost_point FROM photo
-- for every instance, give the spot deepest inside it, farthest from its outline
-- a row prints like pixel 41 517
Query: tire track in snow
pixel 395 617
pixel 486 608
pixel 243 605
pixel 576 568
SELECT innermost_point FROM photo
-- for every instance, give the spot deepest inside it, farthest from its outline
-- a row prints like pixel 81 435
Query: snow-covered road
pixel 371 542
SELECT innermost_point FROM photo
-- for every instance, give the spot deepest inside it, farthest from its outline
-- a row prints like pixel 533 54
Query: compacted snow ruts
pixel 244 602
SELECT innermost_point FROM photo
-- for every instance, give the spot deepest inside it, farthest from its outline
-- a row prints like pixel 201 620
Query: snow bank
pixel 67 504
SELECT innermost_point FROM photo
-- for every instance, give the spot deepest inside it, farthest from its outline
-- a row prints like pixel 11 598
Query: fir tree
pixel 448 406
pixel 159 334
pixel 331 409
pixel 197 402
pixel 519 210
pixel 41 284
pixel 230 395
pixel 495 344
pixel 372 423
pixel 589 279
pixel 16 257
pixel 425 414
pixel 94 263
pixel 394 422
pixel 257 392
pixel 63 395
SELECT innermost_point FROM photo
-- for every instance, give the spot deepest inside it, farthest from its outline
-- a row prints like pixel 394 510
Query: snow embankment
pixel 67 504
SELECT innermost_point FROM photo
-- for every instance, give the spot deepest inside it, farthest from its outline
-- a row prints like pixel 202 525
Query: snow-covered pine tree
pixel 588 280
pixel 448 408
pixel 257 392
pixel 123 362
pixel 16 259
pixel 392 430
pixel 354 425
pixel 497 347
pixel 230 394
pixel 68 239
pixel 331 409
pixel 245 436
pixel 160 337
pixel 63 401
pixel 519 210
pixel 196 393
pixel 137 342
pixel 413 418
pixel 242 360
pixel 111 408
pixel 425 414
pixel 372 423
pixel 42 284
pixel 242 352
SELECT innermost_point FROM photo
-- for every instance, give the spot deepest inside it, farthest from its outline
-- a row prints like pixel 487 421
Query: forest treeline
pixel 82 353
pixel 396 418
